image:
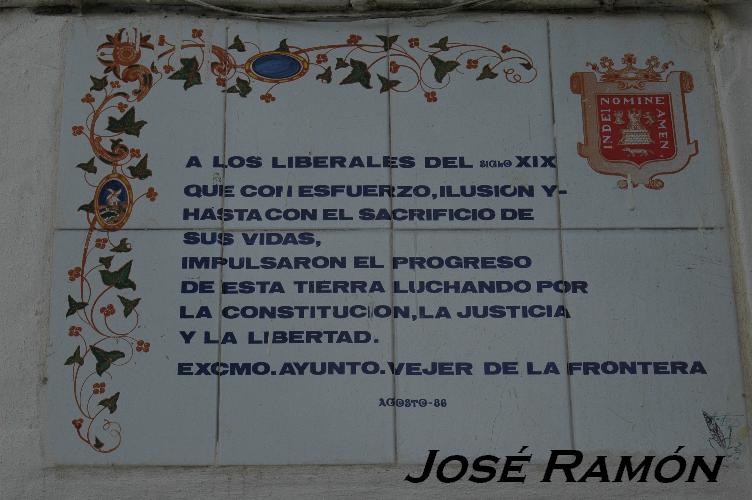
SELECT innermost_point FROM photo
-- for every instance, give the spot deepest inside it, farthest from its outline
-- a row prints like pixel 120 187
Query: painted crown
pixel 630 72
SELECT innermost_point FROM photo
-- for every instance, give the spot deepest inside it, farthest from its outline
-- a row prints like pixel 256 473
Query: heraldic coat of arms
pixel 634 120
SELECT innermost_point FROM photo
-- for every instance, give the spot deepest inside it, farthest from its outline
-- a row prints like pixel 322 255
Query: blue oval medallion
pixel 276 66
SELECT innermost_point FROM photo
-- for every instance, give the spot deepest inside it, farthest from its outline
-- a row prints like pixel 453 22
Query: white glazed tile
pixel 313 419
pixel 163 418
pixel 483 412
pixel 654 296
pixel 178 123
pixel 478 120
pixel 308 118
pixel 692 197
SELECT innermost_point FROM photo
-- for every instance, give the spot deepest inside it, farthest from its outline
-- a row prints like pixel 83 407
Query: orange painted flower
pixel 107 310
pixel 197 33
pixel 321 58
pixel 505 48
pixel 98 387
pixel 472 63
pixel 74 331
pixel 393 66
pixel 151 194
pixel 78 129
pixel 135 153
pixel 430 96
pixel 121 106
pixel 162 40
pixel 142 346
pixel 353 39
pixel 88 98
pixel 115 85
pixel 267 98
pixel 77 423
pixel 414 42
pixel 167 68
pixel 100 242
pixel 74 274
pixel 221 81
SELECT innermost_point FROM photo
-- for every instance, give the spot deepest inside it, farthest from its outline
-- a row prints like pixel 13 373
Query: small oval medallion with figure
pixel 113 201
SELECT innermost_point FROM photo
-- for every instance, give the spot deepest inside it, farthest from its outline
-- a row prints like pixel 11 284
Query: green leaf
pixel 527 65
pixel 87 207
pixel 388 41
pixel 487 72
pixel 243 86
pixel 189 73
pixel 126 124
pixel 123 246
pixel 88 166
pixel 387 84
pixel 106 261
pixel 237 44
pixel 98 83
pixel 326 76
pixel 74 307
pixel 359 74
pixel 442 68
pixel 119 279
pixel 283 46
pixel 75 358
pixel 441 44
pixel 97 443
pixel 140 171
pixel 341 63
pixel 128 305
pixel 111 402
pixel 105 359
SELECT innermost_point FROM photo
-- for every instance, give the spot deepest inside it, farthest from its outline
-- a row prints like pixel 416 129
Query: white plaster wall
pixel 30 90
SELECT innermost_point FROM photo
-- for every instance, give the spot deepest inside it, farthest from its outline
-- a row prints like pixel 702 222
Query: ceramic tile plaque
pixel 353 243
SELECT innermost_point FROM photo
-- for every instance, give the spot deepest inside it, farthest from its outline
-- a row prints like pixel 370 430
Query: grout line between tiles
pixel 221 268
pixel 561 237
pixel 392 325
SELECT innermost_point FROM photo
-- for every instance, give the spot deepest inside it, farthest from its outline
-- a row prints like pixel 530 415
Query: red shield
pixel 634 120
pixel 636 128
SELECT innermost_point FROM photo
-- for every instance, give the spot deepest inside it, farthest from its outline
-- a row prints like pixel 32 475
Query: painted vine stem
pixel 133 66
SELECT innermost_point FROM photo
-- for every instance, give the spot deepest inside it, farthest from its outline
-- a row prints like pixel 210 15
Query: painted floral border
pixel 102 306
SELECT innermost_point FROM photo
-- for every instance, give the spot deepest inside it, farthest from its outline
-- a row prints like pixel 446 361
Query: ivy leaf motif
pixel 123 246
pixel 128 305
pixel 98 443
pixel 387 84
pixel 442 68
pixel 527 65
pixel 487 72
pixel 98 83
pixel 441 44
pixel 189 73
pixel 106 261
pixel 126 124
pixel 75 358
pixel 105 359
pixel 341 63
pixel 359 74
pixel 111 402
pixel 242 87
pixel 326 75
pixel 237 44
pixel 283 46
pixel 87 207
pixel 140 171
pixel 119 279
pixel 88 166
pixel 388 41
pixel 74 307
